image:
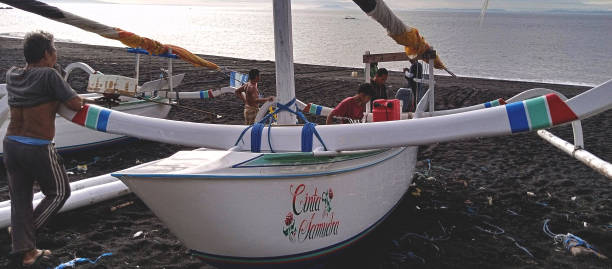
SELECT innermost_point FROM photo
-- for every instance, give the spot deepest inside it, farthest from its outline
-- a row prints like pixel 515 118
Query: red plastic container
pixel 386 110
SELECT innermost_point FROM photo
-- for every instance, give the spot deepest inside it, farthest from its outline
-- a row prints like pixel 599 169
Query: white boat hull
pixel 72 137
pixel 232 207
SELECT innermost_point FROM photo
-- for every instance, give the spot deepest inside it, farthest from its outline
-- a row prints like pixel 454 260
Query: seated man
pixel 352 107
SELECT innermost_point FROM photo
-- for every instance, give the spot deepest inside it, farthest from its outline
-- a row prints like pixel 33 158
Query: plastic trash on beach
pixel 138 234
pixel 73 263
pixel 114 208
pixel 82 168
pixel 574 244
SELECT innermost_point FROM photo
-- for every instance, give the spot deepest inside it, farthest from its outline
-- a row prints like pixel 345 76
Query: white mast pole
pixel 283 48
pixel 432 85
pixel 137 68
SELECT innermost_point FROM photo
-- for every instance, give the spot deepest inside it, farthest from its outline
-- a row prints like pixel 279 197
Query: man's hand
pixel 239 94
pixel 74 103
pixel 330 119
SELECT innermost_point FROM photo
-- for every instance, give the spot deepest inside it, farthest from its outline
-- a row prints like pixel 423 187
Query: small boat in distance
pixel 350 18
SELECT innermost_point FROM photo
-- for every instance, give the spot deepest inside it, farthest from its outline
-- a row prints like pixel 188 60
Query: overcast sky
pixel 403 4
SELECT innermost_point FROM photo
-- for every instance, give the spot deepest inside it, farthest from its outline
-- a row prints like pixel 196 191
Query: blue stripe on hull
pixel 517 117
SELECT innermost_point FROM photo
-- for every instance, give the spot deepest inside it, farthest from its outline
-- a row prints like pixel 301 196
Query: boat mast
pixel 283 49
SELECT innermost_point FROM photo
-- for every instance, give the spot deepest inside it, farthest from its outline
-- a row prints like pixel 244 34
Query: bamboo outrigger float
pixel 291 194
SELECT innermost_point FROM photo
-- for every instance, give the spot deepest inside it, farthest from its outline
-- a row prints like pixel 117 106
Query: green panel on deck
pixel 303 158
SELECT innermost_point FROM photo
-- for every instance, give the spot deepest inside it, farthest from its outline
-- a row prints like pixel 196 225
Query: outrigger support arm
pixel 592 161
pixel 494 121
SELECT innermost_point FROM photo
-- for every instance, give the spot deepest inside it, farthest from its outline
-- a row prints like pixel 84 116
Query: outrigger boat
pixel 294 193
pixel 69 137
pixel 152 99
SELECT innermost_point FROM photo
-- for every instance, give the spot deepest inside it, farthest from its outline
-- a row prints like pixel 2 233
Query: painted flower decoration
pixel 331 194
pixel 289 219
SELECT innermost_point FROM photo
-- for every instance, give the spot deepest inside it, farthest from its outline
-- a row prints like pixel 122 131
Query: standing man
pixel 413 94
pixel 352 107
pixel 34 96
pixel 378 84
pixel 415 71
pixel 251 97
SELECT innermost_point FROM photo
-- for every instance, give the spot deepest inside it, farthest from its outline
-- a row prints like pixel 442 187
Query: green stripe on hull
pixel 92 117
pixel 495 103
pixel 538 113
pixel 313 109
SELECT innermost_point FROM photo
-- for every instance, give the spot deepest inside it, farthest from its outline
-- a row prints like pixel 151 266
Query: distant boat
pixel 6 8
pixel 349 18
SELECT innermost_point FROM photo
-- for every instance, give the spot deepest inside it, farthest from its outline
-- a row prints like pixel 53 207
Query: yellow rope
pixel 135 41
pixel 415 44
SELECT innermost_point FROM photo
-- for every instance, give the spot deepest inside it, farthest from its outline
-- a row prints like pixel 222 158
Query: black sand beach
pixel 445 221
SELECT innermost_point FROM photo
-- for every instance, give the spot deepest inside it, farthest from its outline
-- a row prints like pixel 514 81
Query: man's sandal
pixel 41 253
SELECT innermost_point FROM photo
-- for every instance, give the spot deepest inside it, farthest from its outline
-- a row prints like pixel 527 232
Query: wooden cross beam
pixel 385 57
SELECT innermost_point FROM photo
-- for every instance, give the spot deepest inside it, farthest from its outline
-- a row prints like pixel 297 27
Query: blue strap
pixel 307 131
pixel 143 51
pixel 307 139
pixel 256 137
pixel 73 263
pixel 320 139
pixel 269 135
pixel 29 140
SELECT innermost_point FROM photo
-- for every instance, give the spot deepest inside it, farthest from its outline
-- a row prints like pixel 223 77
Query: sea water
pixel 567 48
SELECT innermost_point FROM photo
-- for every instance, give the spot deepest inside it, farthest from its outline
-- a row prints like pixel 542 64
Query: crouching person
pixel 352 108
pixel 34 96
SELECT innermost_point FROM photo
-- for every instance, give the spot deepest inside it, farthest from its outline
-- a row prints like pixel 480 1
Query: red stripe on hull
pixel 81 116
pixel 559 111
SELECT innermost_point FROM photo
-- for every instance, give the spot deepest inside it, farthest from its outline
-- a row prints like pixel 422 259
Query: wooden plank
pixel 385 57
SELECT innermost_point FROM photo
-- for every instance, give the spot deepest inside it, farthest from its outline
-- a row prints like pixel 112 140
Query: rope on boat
pixel 179 106
pixel 308 130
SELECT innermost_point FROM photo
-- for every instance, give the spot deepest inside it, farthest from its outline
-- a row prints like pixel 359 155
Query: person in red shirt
pixel 352 107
